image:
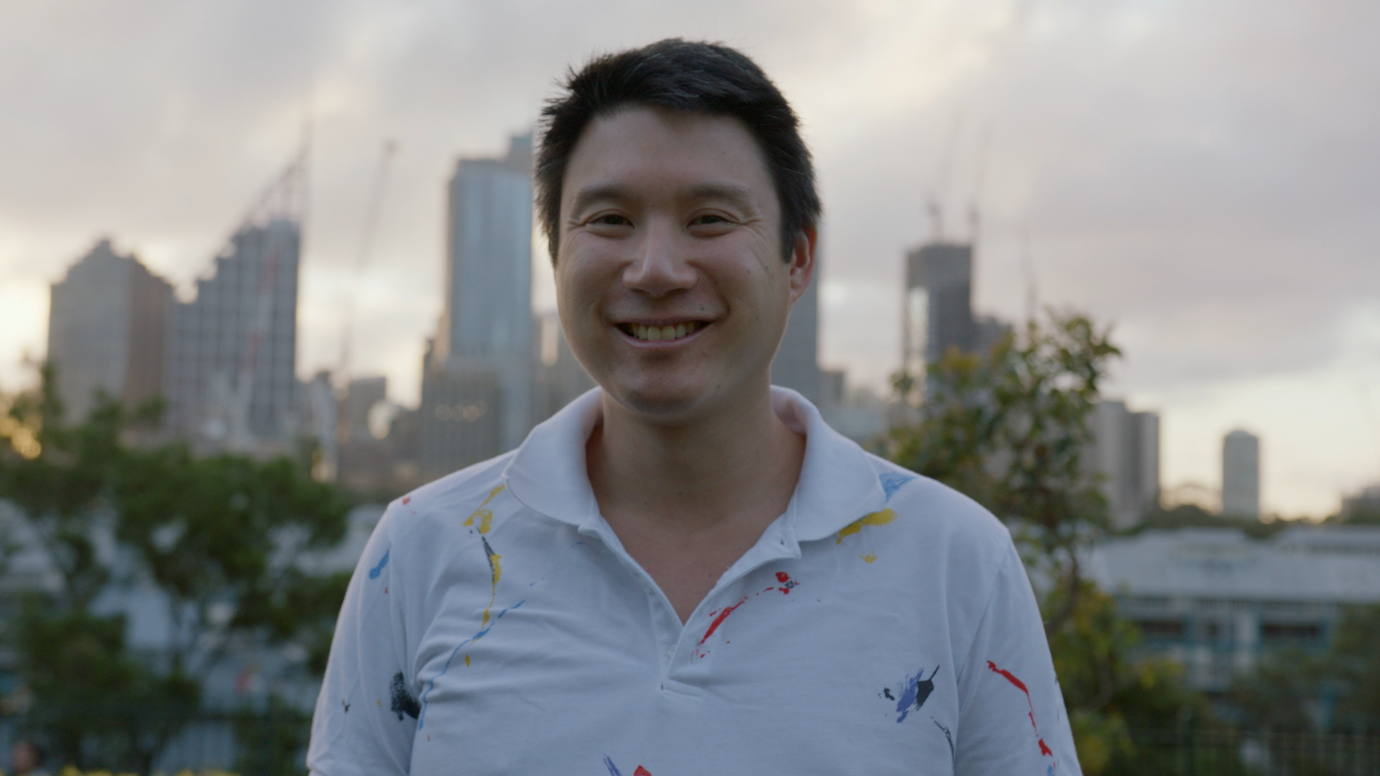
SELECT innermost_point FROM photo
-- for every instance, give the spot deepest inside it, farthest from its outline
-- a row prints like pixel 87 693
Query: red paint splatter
pixel 406 499
pixel 783 577
pixel 642 771
pixel 385 591
pixel 1009 677
pixel 1044 748
pixel 723 615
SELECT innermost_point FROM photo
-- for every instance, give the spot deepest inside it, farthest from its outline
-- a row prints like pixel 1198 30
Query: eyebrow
pixel 735 194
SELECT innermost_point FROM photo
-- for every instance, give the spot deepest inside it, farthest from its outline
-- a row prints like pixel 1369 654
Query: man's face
pixel 669 275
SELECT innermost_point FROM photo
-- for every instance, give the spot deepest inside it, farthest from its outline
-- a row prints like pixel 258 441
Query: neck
pixel 699 475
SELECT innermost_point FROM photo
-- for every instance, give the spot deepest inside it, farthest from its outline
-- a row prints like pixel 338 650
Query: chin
pixel 659 401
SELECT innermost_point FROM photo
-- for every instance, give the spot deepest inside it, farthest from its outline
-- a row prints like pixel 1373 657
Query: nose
pixel 659 266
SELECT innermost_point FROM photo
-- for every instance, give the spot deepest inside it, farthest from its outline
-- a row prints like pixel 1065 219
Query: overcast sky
pixel 1202 175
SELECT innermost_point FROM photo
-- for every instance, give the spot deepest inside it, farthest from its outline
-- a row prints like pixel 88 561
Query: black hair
pixel 688 76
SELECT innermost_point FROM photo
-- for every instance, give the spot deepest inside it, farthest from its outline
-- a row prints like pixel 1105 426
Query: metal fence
pixel 249 743
pixel 259 743
pixel 1231 751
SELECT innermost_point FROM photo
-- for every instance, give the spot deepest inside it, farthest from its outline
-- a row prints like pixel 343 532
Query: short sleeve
pixel 366 715
pixel 1011 710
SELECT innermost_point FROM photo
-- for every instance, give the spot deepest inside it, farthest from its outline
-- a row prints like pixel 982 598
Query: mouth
pixel 648 333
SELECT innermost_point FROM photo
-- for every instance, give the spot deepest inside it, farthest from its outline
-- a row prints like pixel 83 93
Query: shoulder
pixel 942 520
pixel 937 506
pixel 442 507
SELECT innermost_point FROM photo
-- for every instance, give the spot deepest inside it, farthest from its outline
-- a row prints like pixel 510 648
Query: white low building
pixel 1215 599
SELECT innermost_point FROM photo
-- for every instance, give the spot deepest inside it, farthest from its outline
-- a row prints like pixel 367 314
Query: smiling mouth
pixel 645 333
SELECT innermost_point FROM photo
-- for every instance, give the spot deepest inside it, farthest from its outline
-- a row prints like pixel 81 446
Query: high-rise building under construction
pixel 231 379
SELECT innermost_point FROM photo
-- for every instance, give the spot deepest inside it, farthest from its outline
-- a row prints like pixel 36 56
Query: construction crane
pixel 366 240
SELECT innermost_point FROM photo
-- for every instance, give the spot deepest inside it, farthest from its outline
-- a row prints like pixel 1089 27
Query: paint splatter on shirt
pixel 915 690
pixel 375 571
pixel 1045 751
pixel 883 517
pixel 402 700
pixel 892 482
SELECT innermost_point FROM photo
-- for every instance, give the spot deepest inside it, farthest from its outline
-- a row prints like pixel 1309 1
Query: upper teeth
pixel 645 332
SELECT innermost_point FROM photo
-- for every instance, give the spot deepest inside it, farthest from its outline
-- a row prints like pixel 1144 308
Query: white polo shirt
pixel 495 625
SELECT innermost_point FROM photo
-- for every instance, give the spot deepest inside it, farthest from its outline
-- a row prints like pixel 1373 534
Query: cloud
pixel 1203 174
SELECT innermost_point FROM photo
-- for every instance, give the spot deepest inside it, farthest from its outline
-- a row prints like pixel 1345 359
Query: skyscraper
pixel 231 380
pixel 1126 453
pixel 483 353
pixel 107 327
pixel 1241 474
pixel 796 365
pixel 938 311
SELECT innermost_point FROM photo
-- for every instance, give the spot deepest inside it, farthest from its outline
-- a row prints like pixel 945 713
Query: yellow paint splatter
pixel 486 517
pixel 869 557
pixel 876 518
pixel 380 703
pixel 467 661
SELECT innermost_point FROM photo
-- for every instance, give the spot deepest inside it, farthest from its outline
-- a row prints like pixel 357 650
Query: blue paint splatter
pixel 892 482
pixel 375 571
pixel 917 690
pixel 613 769
pixel 431 685
pixel 1050 772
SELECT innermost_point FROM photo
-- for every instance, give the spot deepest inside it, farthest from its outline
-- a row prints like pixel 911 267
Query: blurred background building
pixel 1125 455
pixel 108 330
pixel 1215 600
pixel 477 375
pixel 1241 474
pixel 231 376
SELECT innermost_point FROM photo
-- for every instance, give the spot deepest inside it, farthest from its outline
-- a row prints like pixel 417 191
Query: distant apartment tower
pixel 1241 474
pixel 1126 455
pixel 231 380
pixel 107 329
pixel 796 365
pixel 938 310
pixel 477 382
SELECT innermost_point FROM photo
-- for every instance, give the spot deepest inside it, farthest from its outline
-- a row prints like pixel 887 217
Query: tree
pixel 219 535
pixel 1009 428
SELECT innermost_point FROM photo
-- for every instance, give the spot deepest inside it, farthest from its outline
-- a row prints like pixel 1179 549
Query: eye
pixel 710 224
pixel 609 219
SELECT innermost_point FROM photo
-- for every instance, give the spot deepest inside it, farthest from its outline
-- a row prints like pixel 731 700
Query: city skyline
pixel 1159 167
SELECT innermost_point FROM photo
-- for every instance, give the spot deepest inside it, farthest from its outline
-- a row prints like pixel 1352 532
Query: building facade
pixel 937 313
pixel 1125 456
pixel 231 381
pixel 1214 600
pixel 478 376
pixel 1241 474
pixel 107 331
pixel 796 364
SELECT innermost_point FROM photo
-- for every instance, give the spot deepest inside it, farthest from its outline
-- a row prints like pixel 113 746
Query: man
pixel 686 571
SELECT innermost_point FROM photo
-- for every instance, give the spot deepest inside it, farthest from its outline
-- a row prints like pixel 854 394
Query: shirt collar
pixel 837 481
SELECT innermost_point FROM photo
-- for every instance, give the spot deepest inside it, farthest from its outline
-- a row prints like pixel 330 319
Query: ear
pixel 802 261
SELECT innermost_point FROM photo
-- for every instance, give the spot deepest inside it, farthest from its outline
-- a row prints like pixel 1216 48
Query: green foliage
pixel 1193 516
pixel 219 535
pixel 97 706
pixel 1353 667
pixel 1009 428
pixel 271 743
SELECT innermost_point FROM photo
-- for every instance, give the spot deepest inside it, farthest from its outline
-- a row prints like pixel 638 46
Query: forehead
pixel 654 150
